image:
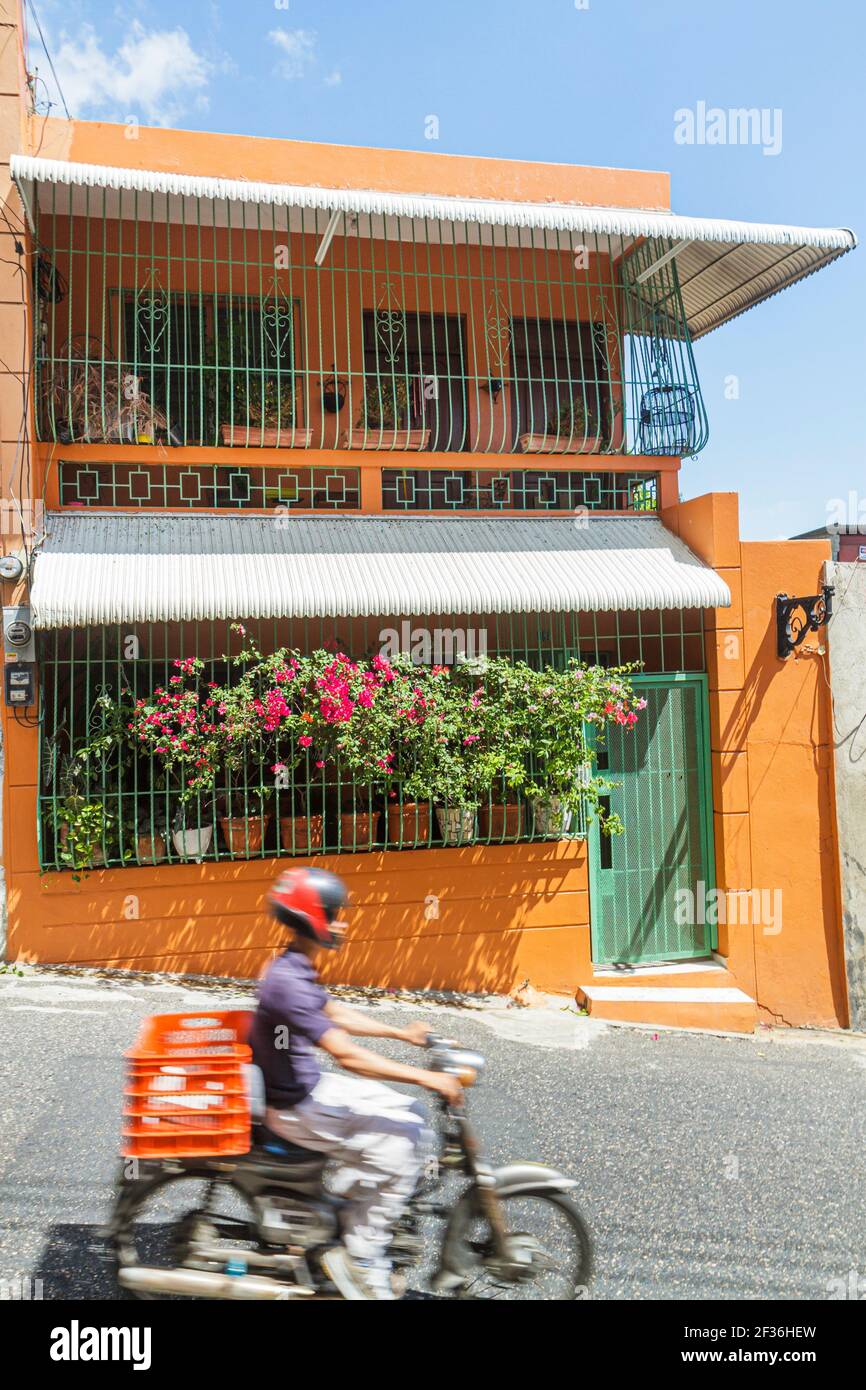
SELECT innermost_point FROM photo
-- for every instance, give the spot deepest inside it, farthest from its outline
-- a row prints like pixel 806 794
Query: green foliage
pixel 570 420
pixel 385 403
pixel 86 832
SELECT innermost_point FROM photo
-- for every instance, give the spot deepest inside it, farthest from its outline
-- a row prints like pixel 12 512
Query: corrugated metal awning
pixel 105 568
pixel 725 267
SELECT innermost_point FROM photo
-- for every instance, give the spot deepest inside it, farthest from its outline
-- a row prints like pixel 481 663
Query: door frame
pixel 700 681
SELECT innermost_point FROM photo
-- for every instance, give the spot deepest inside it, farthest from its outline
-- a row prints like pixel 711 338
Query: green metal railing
pixel 415 335
pixel 131 814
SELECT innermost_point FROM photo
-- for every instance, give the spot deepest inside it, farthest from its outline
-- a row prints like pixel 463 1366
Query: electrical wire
pixel 48 56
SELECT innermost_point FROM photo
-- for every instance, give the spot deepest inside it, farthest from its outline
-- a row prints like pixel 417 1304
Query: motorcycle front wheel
pixel 550 1253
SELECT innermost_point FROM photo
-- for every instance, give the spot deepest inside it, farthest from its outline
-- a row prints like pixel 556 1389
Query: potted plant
pixel 570 430
pixel 564 715
pixel 262 406
pixel 190 838
pixel 303 830
pixel 84 820
pixel 359 818
pixel 244 820
pixel 177 726
pixel 85 827
pixel 480 750
pixel 501 818
pixel 408 821
pixel 385 411
pixel 148 831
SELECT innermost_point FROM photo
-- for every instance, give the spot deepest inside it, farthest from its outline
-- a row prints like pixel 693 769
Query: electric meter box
pixel 19 640
pixel 20 684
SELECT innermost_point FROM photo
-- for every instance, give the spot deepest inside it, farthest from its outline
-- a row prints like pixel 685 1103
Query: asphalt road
pixel 709 1167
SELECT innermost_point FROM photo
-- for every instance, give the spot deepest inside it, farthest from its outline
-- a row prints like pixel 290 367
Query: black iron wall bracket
pixel 795 617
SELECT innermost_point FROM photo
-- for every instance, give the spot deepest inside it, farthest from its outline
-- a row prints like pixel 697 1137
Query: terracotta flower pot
pixel 456 824
pixel 268 438
pixel 244 834
pixel 150 849
pixel 551 443
pixel 383 436
pixel 301 834
pixel 359 829
pixel 409 824
pixel 501 822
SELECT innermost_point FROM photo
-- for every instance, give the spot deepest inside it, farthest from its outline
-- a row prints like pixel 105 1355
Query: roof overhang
pixel 99 568
pixel 725 267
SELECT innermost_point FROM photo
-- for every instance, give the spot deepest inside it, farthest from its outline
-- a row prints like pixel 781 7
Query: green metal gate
pixel 664 799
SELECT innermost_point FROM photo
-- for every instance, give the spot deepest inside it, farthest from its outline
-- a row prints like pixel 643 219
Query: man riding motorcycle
pixel 376 1133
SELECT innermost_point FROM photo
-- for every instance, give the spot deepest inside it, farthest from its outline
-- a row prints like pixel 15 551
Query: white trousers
pixel 379 1137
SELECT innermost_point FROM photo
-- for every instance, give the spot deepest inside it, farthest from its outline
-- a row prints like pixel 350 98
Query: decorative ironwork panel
pixel 525 490
pixel 180 487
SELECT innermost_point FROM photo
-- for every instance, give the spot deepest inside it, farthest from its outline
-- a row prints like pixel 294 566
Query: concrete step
pixel 705 997
pixel 689 974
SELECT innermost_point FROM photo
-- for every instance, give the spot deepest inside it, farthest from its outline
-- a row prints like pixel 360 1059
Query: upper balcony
pixel 179 313
pixel 431 339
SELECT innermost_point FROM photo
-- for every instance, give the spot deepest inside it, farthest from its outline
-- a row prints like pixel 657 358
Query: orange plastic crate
pixel 184 1092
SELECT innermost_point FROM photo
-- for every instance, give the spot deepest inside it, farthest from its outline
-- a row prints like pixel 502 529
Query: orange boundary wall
pixel 772 760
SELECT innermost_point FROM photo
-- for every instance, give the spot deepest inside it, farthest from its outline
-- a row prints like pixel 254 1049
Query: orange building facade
pixel 334 393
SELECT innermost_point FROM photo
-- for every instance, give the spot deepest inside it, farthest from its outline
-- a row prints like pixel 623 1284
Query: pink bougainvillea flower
pixel 471 738
pixel 305 740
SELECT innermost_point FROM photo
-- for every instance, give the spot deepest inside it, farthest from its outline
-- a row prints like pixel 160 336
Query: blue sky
pixel 597 82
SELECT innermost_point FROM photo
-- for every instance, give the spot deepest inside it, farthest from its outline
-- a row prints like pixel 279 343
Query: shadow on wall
pixel 470 919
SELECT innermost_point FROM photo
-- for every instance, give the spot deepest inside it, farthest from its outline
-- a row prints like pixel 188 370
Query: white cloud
pixel 334 78
pixel 153 74
pixel 298 49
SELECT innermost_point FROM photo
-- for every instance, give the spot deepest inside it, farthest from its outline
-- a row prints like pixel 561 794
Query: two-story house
pixel 347 397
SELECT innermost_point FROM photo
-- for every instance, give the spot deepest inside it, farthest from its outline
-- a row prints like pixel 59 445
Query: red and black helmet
pixel 308 901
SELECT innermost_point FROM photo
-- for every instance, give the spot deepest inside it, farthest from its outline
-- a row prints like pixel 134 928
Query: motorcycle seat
pixel 276 1147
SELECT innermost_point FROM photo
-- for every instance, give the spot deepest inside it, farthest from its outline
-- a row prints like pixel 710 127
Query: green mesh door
pixel 664 801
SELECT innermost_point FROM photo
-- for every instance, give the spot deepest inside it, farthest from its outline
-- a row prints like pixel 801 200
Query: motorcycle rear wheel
pixel 156 1218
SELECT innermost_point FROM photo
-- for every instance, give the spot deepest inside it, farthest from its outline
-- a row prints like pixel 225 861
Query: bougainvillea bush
pixel 180 725
pixel 453 734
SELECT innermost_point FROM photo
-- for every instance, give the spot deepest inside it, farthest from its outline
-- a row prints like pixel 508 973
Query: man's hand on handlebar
pixel 417 1033
pixel 445 1085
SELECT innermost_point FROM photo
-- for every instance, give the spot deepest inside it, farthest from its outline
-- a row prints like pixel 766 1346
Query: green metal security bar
pixel 217 327
pixel 131 815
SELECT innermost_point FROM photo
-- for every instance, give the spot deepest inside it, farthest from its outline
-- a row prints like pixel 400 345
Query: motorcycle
pixel 253 1226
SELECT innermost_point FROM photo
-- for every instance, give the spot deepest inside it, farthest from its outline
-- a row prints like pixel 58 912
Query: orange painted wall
pixel 773 798
pixel 479 918
pixel 344 166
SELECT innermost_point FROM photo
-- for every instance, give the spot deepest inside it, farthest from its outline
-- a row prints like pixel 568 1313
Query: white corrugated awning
pixel 725 267
pixel 104 568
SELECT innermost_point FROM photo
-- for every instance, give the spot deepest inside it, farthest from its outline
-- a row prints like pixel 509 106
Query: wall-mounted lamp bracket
pixel 795 617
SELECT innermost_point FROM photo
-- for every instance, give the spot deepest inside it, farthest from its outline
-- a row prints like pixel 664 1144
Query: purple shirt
pixel 289 1021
